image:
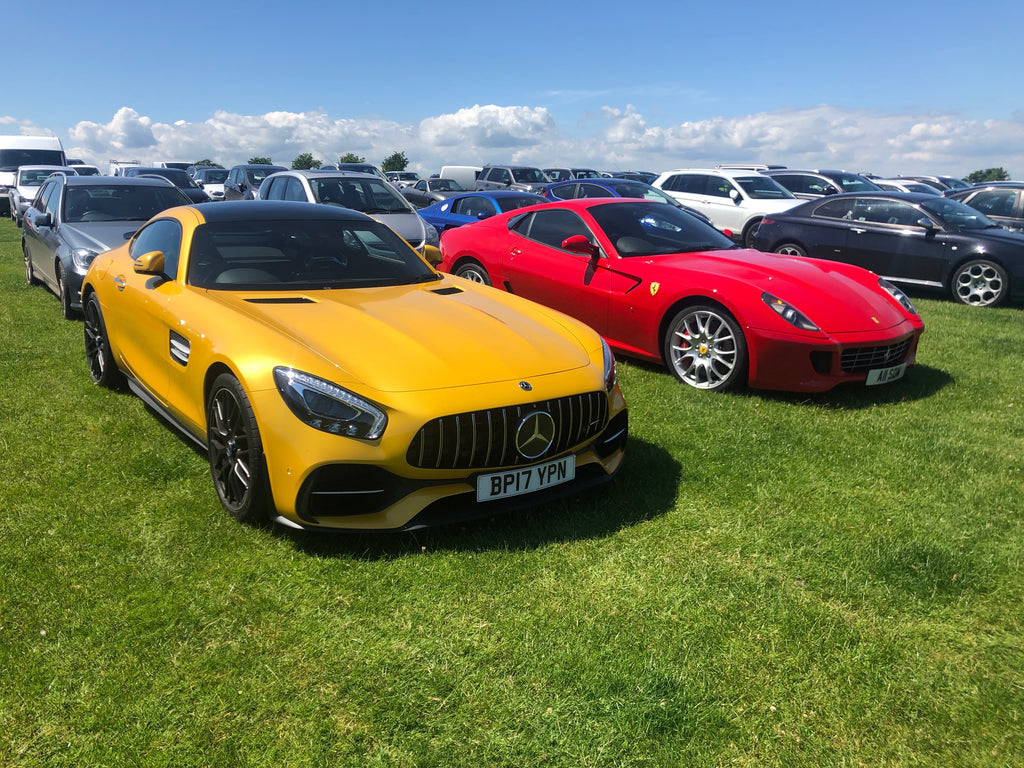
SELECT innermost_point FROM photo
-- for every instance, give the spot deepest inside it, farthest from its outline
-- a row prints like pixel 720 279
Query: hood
pixel 419 337
pixel 408 225
pixel 1000 235
pixel 837 297
pixel 99 236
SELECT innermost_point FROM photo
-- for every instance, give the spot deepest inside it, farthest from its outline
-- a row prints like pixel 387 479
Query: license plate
pixel 885 375
pixel 516 482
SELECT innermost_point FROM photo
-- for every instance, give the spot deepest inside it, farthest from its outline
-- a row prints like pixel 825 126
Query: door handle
pixel 858 230
pixel 120 282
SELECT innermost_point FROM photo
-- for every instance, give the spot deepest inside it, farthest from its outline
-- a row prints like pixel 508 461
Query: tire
pixel 100 359
pixel 235 453
pixel 791 249
pixel 62 293
pixel 474 272
pixel 748 233
pixel 30 273
pixel 980 283
pixel 704 347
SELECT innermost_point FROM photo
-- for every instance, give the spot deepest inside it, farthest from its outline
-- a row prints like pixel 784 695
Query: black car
pixel 915 239
pixel 810 185
pixel 177 176
pixel 1003 202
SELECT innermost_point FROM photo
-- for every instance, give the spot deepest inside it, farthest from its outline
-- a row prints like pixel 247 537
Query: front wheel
pixel 102 368
pixel 235 452
pixel 981 283
pixel 474 272
pixel 30 273
pixel 66 311
pixel 704 347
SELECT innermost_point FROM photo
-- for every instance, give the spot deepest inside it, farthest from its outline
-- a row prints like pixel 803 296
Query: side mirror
pixel 581 244
pixel 734 195
pixel 926 223
pixel 44 220
pixel 151 263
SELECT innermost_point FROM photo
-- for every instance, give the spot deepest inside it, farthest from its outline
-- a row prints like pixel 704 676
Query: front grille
pixel 859 359
pixel 482 439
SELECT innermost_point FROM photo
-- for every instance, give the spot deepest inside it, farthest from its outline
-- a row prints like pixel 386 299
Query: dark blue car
pixel 474 206
pixel 570 190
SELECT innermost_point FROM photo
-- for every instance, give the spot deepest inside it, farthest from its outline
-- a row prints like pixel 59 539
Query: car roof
pixel 121 181
pixel 732 173
pixel 261 210
pixel 315 174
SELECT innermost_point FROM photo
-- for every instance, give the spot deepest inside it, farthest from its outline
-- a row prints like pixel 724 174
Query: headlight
pixel 789 313
pixel 609 366
pixel 327 407
pixel 82 257
pixel 430 235
pixel 901 298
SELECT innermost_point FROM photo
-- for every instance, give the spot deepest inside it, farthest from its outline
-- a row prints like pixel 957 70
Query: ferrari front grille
pixel 860 359
pixel 486 439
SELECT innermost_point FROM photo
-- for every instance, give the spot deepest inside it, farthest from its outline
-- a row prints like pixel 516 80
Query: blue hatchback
pixel 474 206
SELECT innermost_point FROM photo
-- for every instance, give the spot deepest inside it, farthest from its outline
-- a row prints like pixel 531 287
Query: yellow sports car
pixel 336 380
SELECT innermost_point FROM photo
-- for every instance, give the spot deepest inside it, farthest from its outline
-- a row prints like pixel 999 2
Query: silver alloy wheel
pixel 473 272
pixel 705 348
pixel 790 249
pixel 980 283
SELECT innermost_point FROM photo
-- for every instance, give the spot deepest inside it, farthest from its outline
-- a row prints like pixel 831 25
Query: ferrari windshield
pixel 652 229
pixel 306 255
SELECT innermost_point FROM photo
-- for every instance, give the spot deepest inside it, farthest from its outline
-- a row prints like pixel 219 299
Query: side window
pixel 294 190
pixel 51 203
pixel 273 191
pixel 44 195
pixel 594 190
pixel 718 186
pixel 501 175
pixel 995 202
pixel 836 209
pixel 552 227
pixel 421 185
pixel 564 192
pixel 885 212
pixel 472 206
pixel 162 235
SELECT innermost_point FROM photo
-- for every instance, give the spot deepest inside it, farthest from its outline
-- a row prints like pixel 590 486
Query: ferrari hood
pixel 419 337
pixel 837 297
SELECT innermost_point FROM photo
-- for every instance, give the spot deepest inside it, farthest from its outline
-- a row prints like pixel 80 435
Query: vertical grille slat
pixel 484 439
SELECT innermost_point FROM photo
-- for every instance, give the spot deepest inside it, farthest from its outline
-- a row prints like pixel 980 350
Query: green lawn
pixel 772 580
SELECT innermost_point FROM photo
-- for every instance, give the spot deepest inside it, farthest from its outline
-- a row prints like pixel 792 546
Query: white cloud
pixel 617 138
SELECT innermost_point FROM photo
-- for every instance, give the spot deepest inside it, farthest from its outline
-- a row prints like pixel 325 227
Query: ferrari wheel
pixel 63 294
pixel 474 272
pixel 100 359
pixel 790 249
pixel 235 451
pixel 705 348
pixel 981 283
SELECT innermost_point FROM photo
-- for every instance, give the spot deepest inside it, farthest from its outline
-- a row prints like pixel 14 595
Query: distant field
pixel 772 580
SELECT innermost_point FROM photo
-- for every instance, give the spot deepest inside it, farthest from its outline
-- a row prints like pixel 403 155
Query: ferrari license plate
pixel 885 375
pixel 516 482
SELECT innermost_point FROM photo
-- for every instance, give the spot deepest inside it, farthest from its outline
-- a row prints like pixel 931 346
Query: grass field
pixel 772 580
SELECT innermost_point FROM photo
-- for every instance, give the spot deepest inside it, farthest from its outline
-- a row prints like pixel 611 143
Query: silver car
pixel 74 218
pixel 362 192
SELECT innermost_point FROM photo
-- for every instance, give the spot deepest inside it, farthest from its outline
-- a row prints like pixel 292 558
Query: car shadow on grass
pixel 919 382
pixel 645 487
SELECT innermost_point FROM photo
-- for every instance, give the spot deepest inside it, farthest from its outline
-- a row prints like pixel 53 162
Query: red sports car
pixel 661 285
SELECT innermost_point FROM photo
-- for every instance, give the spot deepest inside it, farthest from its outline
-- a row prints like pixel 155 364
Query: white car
pixel 362 192
pixel 212 181
pixel 27 181
pixel 735 200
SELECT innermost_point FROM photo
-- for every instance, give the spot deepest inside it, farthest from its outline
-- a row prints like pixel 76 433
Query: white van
pixel 16 151
pixel 464 174
pixel 117 166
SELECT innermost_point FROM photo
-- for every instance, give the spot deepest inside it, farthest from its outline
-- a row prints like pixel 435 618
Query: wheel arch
pixel 685 302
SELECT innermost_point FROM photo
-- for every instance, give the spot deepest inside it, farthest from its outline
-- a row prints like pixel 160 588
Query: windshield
pixel 213 176
pixel 445 185
pixel 956 214
pixel 10 159
pixel 34 177
pixel 851 182
pixel 302 256
pixel 763 188
pixel 177 177
pixel 257 175
pixel 529 176
pixel 360 194
pixel 653 229
pixel 114 202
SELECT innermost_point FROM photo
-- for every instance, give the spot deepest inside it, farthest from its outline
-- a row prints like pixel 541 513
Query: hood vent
pixel 282 300
pixel 448 291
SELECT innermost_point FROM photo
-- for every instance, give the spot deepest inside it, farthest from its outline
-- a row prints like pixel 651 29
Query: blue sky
pixel 891 87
